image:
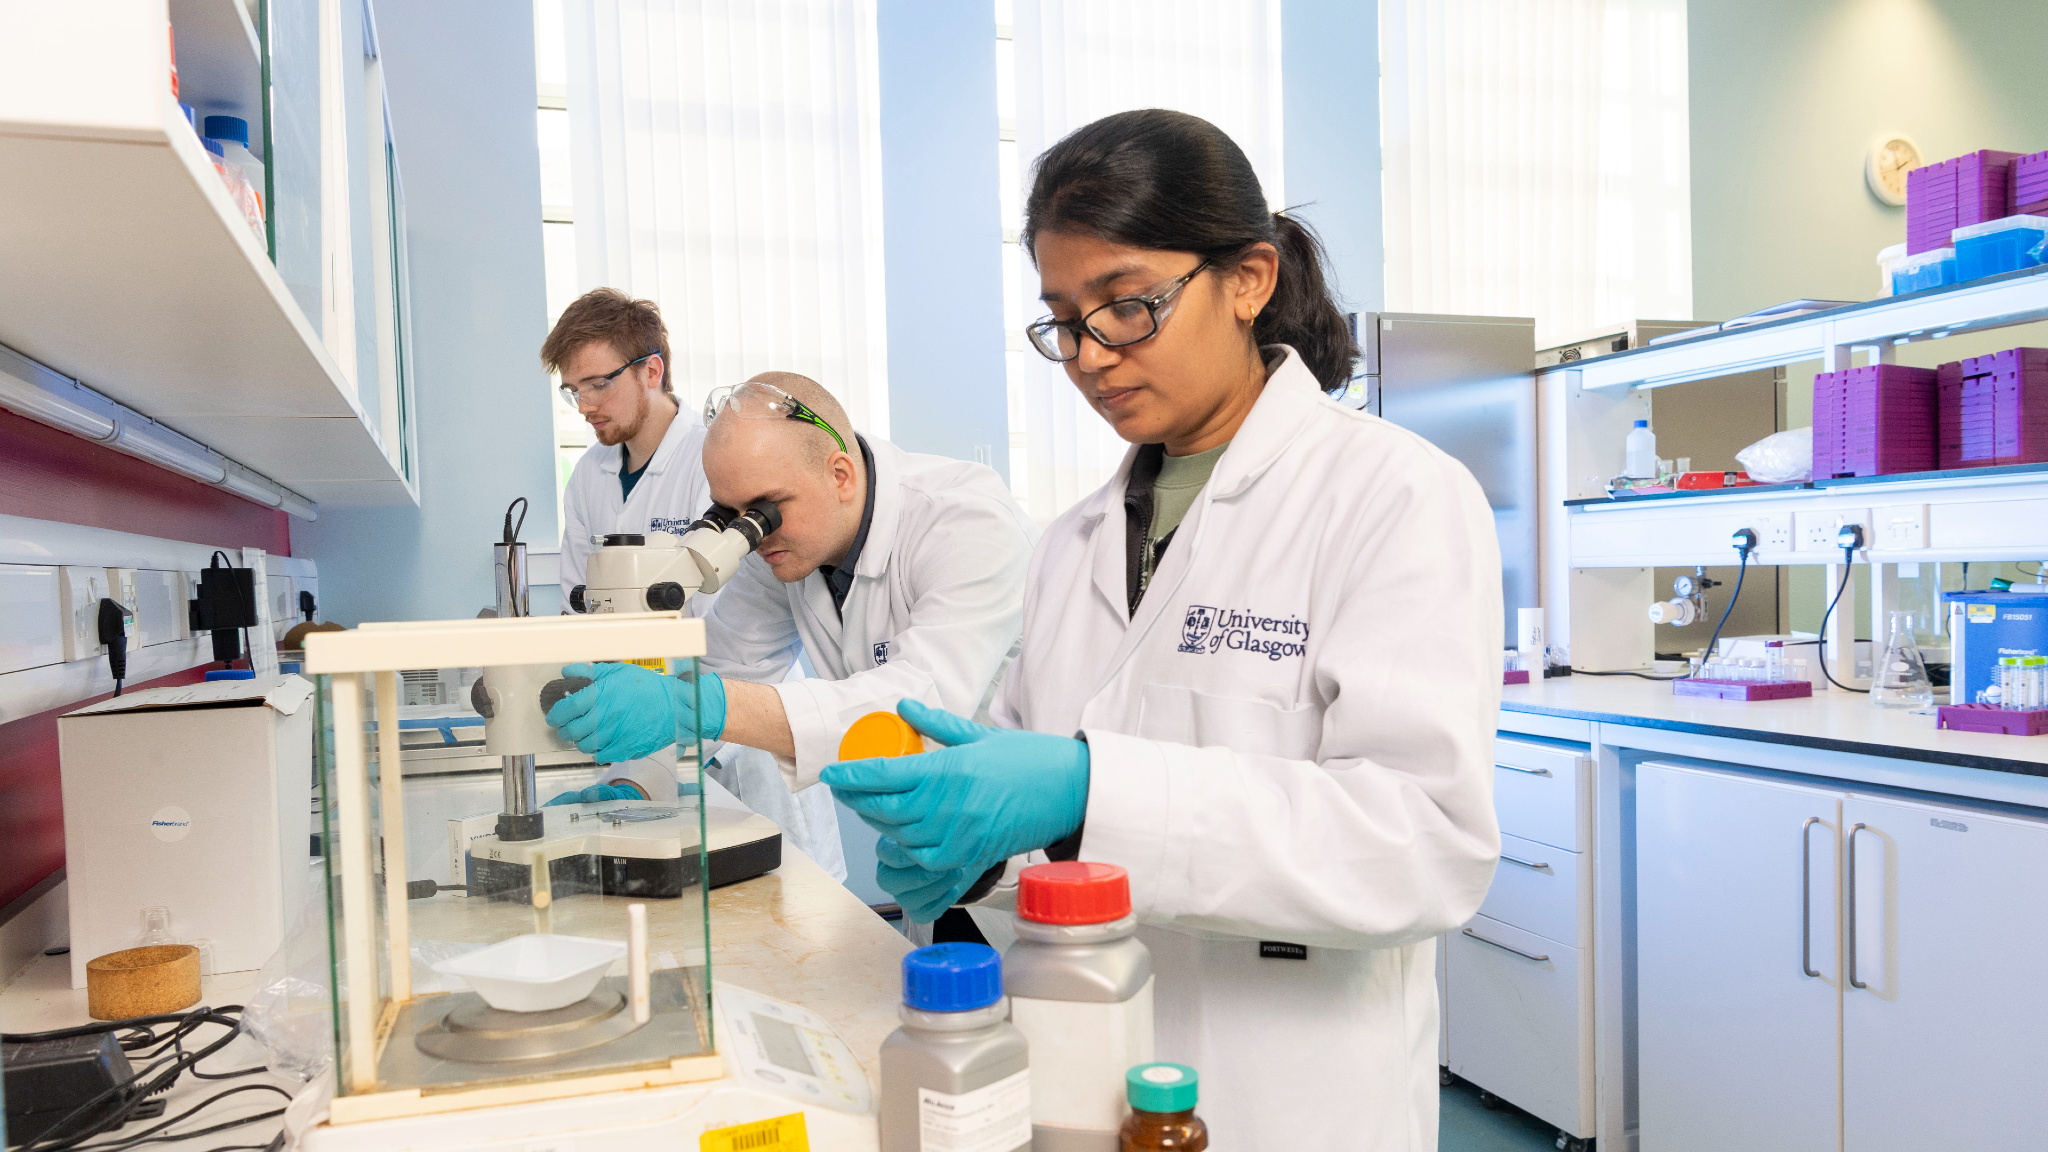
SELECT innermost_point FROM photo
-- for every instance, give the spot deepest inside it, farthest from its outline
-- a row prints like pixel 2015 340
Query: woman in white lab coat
pixel 1278 716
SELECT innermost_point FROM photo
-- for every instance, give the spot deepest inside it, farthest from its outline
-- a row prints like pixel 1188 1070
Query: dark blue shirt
pixel 839 578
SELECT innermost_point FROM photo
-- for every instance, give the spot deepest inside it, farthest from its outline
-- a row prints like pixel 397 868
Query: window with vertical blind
pixel 1535 158
pixel 726 164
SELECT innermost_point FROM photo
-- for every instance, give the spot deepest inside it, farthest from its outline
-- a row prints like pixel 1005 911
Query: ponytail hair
pixel 1173 182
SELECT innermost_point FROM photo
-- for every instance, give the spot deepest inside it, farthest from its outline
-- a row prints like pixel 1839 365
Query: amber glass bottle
pixel 1162 1115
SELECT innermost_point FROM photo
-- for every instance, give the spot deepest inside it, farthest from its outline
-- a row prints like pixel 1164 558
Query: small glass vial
pixel 1162 1098
pixel 156 927
pixel 1800 673
pixel 1699 667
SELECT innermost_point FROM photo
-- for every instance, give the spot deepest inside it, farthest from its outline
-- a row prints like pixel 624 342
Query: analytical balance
pixel 421 1065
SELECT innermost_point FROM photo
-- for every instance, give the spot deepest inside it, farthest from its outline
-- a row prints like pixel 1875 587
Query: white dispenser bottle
pixel 1080 986
pixel 1642 452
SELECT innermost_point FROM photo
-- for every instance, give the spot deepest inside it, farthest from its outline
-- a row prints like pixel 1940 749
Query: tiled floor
pixel 1464 1125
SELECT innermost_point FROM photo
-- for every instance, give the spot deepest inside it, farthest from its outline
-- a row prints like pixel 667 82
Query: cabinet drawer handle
pixel 1853 981
pixel 1531 865
pixel 1519 768
pixel 1506 948
pixel 1806 896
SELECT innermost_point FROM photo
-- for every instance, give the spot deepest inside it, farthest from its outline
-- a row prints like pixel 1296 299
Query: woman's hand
pixel 991 794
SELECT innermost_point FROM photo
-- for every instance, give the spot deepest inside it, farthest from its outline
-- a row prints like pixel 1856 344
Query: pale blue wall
pixel 460 78
pixel 1330 99
pixel 942 228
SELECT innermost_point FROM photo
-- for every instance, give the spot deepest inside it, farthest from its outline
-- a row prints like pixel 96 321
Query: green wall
pixel 1787 96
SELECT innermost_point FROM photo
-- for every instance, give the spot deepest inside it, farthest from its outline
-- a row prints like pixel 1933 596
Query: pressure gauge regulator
pixel 1684 586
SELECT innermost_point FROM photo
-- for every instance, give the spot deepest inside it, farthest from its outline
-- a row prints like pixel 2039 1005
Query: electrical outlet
pixel 1818 530
pixel 160 613
pixel 1902 526
pixel 121 586
pixel 79 591
pixel 1773 532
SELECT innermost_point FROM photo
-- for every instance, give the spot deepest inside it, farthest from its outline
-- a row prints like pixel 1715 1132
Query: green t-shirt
pixel 1180 480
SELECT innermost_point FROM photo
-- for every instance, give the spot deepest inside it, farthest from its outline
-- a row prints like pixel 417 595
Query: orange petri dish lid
pixel 880 734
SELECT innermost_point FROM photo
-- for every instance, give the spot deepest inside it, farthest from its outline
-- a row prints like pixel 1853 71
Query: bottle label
pixel 992 1119
pixel 1079 1053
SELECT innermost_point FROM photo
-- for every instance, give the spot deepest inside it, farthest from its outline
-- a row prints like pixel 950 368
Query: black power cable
pixel 140 1035
pixel 1744 541
pixel 1850 538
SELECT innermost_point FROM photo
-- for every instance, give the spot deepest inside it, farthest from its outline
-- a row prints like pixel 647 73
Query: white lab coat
pixel 671 494
pixel 1291 742
pixel 933 614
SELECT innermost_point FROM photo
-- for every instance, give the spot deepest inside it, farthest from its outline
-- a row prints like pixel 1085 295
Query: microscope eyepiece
pixel 757 523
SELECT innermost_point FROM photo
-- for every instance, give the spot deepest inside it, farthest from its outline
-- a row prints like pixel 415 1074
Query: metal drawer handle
pixel 1532 865
pixel 1853 981
pixel 1519 768
pixel 1806 896
pixel 1506 948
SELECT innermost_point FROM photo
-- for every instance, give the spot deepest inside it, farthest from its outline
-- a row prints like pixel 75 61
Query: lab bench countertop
pixel 794 934
pixel 1833 720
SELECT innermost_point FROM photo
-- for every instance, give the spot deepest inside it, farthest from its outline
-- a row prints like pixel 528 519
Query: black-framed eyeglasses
pixel 595 386
pixel 1117 324
pixel 755 400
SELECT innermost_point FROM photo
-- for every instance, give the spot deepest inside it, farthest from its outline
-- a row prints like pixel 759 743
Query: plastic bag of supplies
pixel 1780 458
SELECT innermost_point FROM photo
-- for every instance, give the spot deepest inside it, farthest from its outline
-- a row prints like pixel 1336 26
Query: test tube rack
pixel 1742 689
pixel 1514 676
pixel 1992 718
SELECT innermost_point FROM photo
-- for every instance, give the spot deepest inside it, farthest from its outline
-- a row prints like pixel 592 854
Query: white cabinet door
pixel 1516 1029
pixel 1946 1044
pixel 1737 1045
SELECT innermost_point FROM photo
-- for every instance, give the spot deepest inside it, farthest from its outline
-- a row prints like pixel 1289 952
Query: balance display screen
pixel 785 1048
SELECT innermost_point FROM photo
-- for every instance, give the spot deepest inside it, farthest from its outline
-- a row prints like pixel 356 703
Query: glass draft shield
pixel 486 948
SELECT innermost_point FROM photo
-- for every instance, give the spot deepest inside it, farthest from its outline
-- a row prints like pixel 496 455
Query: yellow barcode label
pixel 657 663
pixel 782 1134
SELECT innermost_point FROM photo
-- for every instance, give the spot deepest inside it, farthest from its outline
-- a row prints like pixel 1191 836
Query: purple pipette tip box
pixel 1987 718
pixel 1742 689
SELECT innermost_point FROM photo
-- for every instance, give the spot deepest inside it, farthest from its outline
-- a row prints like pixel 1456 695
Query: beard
pixel 622 429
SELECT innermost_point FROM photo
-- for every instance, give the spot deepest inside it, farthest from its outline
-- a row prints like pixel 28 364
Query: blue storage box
pixel 1996 246
pixel 1924 270
pixel 1983 626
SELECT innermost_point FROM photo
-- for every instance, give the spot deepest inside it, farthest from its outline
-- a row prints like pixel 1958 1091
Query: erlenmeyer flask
pixel 156 927
pixel 1900 678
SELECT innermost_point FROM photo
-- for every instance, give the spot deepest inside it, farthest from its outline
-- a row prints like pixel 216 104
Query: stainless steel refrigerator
pixel 1466 384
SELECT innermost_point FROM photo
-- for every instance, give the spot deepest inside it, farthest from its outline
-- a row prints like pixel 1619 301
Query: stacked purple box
pixel 1994 409
pixel 1969 189
pixel 1875 420
pixel 2030 185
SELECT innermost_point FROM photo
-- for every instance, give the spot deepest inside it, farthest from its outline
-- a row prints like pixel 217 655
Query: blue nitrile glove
pixel 595 794
pixel 924 896
pixel 629 711
pixel 991 794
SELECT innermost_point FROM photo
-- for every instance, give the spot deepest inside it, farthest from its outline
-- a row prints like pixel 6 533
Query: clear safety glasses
pixel 594 388
pixel 757 401
pixel 1117 324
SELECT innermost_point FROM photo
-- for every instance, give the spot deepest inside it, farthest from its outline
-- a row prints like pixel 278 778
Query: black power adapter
pixel 50 1080
pixel 226 603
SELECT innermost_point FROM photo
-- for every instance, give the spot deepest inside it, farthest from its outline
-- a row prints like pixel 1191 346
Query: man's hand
pixel 629 712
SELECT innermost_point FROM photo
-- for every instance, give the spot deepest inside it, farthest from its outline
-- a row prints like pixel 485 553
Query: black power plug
pixel 113 632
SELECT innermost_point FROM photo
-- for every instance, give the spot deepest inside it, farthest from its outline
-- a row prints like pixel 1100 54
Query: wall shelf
pixel 1980 305
pixel 130 269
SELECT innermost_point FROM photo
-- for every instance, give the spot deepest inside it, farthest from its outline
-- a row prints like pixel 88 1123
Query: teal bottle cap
pixel 1161 1087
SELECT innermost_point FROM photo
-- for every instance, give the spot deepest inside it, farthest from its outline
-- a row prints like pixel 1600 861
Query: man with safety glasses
pixel 901 575
pixel 646 474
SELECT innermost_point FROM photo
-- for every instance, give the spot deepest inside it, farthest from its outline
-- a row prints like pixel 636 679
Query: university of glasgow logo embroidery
pixel 882 653
pixel 1194 627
